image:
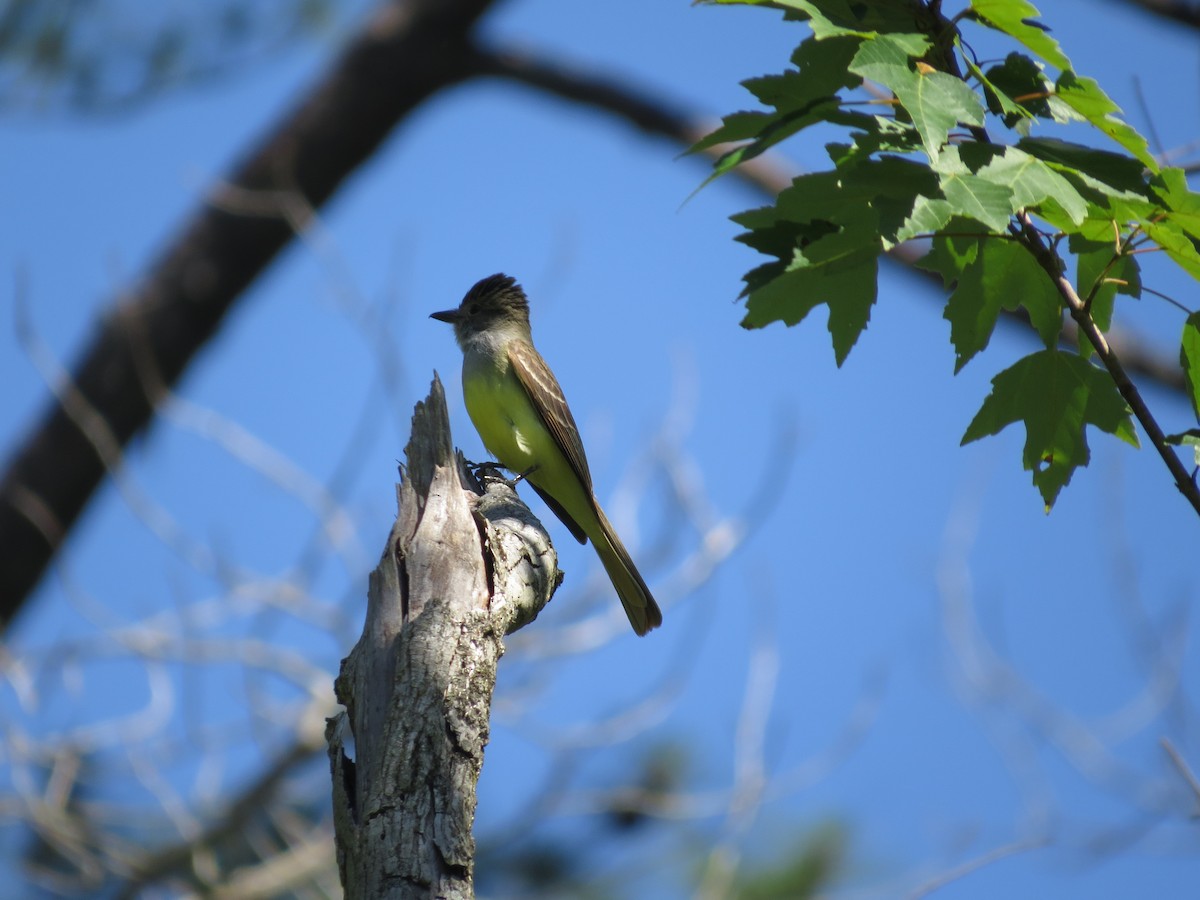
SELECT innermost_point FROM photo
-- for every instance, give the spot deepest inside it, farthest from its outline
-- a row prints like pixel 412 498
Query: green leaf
pixel 1061 112
pixel 778 127
pixel 950 254
pixel 1189 438
pixel 1189 358
pixel 827 239
pixel 1036 186
pixel 876 134
pixel 893 188
pixel 1101 270
pixel 884 190
pixel 1003 275
pixel 1030 183
pixel 822 69
pixel 884 61
pixel 998 102
pixel 770 234
pixel 1182 205
pixel 801 98
pixel 1056 395
pixel 1100 275
pixel 833 18
pixel 847 289
pixel 935 101
pixel 1102 170
pixel 1015 18
pixel 978 198
pixel 1179 246
pixel 1085 97
pixel 1018 76
pixel 738 126
pixel 929 215
pixel 1114 185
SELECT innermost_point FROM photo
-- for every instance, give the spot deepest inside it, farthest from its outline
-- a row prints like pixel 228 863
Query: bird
pixel 522 416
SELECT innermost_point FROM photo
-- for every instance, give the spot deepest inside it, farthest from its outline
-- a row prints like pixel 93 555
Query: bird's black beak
pixel 447 315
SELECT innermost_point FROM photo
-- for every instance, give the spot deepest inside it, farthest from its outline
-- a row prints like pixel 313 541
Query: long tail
pixel 639 604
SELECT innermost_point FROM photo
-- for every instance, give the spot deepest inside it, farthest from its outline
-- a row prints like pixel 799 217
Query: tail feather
pixel 639 604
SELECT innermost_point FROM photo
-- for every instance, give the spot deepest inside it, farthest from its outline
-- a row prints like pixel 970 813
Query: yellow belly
pixel 515 434
pixel 505 419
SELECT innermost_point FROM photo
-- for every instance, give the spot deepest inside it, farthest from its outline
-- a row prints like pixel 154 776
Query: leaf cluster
pixel 966 154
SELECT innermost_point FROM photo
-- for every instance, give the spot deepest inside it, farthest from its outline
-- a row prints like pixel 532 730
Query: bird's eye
pixel 473 308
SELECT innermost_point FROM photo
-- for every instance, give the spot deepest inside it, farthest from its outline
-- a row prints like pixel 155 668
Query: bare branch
pixel 248 803
pixel 973 865
pixel 1183 768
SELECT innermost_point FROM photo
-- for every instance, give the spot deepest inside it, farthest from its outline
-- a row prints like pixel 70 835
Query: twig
pixel 1182 765
pixel 170 860
pixel 973 865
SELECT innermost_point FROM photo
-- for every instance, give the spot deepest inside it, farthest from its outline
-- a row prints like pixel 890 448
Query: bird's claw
pixel 492 469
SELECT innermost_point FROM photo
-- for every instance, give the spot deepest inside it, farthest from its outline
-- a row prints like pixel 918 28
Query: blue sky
pixel 866 533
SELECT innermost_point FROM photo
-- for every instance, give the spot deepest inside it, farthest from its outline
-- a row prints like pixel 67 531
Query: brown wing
pixel 563 516
pixel 543 389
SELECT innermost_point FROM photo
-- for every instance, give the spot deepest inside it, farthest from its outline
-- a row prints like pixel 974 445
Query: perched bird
pixel 520 412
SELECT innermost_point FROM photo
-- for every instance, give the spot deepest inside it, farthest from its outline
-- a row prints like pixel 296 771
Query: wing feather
pixel 563 516
pixel 547 397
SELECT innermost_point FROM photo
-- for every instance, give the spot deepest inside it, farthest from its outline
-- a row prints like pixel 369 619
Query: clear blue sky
pixel 876 517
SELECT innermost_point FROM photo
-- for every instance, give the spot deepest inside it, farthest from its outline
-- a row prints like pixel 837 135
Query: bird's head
pixel 496 304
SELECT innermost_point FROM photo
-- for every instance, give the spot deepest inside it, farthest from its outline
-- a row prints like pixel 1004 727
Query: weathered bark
pixel 460 570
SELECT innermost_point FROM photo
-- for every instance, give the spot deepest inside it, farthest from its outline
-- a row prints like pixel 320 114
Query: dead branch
pixel 418 685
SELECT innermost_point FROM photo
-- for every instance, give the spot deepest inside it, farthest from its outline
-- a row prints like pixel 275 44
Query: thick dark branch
pixel 409 51
pixel 650 114
pixel 1174 10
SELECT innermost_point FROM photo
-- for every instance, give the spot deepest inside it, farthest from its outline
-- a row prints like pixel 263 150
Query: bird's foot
pixel 524 475
pixel 492 469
